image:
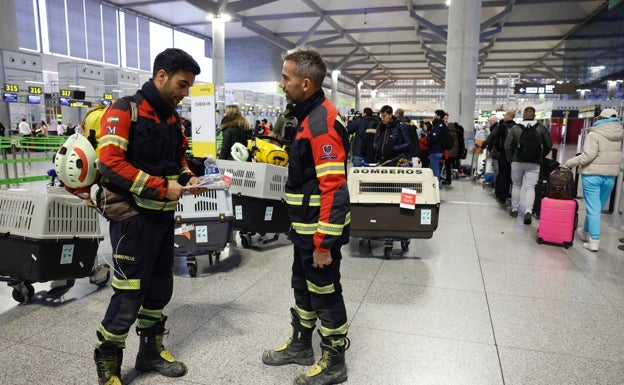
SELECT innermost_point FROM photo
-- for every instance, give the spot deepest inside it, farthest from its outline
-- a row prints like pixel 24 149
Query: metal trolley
pixel 203 226
pixel 258 198
pixel 51 236
pixel 376 212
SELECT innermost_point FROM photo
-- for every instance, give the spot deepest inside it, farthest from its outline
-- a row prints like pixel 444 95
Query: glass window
pixel 94 30
pixel 111 41
pixel 26 25
pixel 57 26
pixel 76 29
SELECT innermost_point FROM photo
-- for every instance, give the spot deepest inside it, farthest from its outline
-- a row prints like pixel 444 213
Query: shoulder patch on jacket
pixel 317 121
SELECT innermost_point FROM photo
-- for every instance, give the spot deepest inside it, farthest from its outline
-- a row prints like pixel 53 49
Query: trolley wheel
pixel 100 275
pixel 567 245
pixel 23 292
pixel 191 265
pixel 540 240
pixel 405 245
pixel 245 240
pixel 387 252
pixel 192 269
pixel 60 288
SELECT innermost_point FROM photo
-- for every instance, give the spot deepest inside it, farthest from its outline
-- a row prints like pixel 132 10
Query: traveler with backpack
pixel 235 128
pixel 392 140
pixel 451 160
pixel 435 140
pixel 526 144
pixel 599 164
pixel 357 127
pixel 502 183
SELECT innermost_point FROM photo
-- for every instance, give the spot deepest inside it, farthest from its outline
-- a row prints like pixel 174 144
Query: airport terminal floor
pixel 479 303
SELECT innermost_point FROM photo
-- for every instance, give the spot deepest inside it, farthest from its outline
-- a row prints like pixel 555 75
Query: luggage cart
pixel 258 199
pixel 376 213
pixel 203 226
pixel 51 236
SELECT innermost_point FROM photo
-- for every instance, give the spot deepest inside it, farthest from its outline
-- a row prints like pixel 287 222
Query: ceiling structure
pixel 376 41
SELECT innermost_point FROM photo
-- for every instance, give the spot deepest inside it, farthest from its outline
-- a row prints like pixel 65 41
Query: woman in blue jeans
pixel 599 165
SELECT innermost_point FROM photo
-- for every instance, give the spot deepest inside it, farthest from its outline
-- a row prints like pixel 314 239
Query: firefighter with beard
pixel 318 202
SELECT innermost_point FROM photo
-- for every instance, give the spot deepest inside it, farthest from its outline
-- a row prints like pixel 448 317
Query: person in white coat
pixel 599 164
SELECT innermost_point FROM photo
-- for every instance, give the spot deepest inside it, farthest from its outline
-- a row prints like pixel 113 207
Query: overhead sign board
pixel 544 89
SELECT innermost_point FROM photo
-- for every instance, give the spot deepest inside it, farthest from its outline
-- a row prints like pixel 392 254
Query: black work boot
pixel 298 348
pixel 108 359
pixel 331 368
pixel 152 354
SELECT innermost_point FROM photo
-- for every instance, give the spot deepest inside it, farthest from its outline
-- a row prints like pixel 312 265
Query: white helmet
pixel 76 162
pixel 239 152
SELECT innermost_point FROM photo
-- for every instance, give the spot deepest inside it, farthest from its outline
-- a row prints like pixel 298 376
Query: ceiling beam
pixel 268 35
pixel 312 29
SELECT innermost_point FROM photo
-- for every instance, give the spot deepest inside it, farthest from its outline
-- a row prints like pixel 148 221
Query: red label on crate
pixel 408 199
pixel 227 178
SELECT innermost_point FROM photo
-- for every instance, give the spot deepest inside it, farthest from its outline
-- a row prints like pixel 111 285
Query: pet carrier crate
pixel 376 211
pixel 258 199
pixel 49 236
pixel 203 226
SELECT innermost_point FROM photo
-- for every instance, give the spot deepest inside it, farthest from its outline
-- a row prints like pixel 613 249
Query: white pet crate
pixel 376 211
pixel 259 180
pixel 203 226
pixel 46 237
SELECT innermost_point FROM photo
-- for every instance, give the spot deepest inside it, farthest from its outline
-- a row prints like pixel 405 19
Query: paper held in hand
pixel 210 183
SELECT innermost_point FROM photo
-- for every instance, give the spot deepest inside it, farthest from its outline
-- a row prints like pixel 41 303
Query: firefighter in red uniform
pixel 142 159
pixel 318 203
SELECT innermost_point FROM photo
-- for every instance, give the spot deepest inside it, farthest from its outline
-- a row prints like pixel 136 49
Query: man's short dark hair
pixel 173 60
pixel 440 113
pixel 386 109
pixel 368 111
pixel 308 64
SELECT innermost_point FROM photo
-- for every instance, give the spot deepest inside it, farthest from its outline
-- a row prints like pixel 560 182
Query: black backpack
pixel 529 148
pixel 447 139
pixel 415 140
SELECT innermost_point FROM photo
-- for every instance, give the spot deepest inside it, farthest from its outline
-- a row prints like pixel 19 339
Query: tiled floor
pixel 479 303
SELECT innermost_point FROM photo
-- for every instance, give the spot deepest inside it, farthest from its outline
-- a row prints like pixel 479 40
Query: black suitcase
pixel 540 193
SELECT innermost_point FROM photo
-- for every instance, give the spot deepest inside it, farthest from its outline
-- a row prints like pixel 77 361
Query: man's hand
pixel 174 190
pixel 321 259
pixel 194 181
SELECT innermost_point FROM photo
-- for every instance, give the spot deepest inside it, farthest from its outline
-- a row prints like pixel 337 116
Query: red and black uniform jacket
pixel 316 191
pixel 138 159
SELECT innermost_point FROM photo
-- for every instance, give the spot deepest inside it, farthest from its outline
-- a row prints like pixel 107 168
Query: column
pixel 334 86
pixel 8 40
pixel 358 96
pixel 462 53
pixel 218 53
pixel 373 104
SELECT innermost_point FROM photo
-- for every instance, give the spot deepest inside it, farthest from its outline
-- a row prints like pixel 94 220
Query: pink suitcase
pixel 557 222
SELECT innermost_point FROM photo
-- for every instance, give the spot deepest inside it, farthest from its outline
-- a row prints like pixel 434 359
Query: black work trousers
pixel 143 264
pixel 319 290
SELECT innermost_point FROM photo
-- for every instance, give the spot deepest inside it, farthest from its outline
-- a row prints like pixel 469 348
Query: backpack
pixel 500 136
pixel 447 139
pixel 561 185
pixel 529 148
pixel 415 140
pixel 289 130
